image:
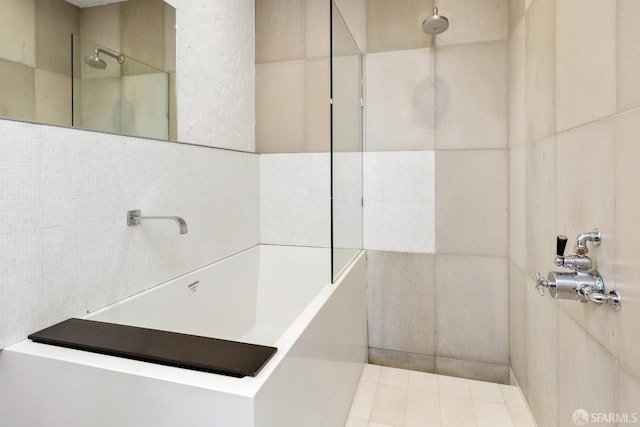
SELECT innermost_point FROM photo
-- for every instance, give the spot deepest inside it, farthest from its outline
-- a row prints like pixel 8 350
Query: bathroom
pixel 481 145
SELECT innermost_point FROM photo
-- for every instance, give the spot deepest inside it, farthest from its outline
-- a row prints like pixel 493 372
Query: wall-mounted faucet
pixel 583 284
pixel 134 218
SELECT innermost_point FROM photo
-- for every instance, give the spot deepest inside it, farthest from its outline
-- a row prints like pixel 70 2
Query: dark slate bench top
pixel 213 355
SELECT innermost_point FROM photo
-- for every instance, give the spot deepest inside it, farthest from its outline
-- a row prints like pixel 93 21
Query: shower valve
pixel 582 284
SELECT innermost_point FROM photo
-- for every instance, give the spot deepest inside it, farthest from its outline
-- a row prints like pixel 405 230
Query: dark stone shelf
pixel 212 355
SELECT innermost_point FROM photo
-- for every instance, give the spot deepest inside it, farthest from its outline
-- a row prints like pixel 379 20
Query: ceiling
pixel 91 3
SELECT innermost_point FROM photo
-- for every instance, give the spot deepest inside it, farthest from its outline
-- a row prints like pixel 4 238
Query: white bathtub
pixel 270 295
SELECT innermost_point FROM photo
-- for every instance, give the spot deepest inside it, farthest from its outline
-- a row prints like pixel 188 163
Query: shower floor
pixel 390 397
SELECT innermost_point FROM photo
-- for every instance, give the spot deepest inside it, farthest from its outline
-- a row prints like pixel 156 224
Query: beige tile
pixel 521 417
pixel 355 422
pixel 517 85
pixel 471 202
pixel 102 25
pixel 363 400
pixel 628 395
pixel 142 41
pixel 279 30
pixel 316 29
pixel 453 386
pixel 580 386
pixel 542 356
pixel 516 12
pixel 317 110
pixel 280 107
pixel 466 329
pixel 56 20
pixel 471 107
pixel 518 288
pixel 628 55
pixel 590 144
pixel 390 405
pixel 17 90
pixel 169 38
pixel 423 381
pixel 540 69
pixel 472 369
pixel 541 221
pixel 402 359
pixel 512 396
pixel 354 13
pixel 397 25
pixel 401 301
pixel 400 100
pixel 492 414
pixel 52 98
pixel 518 206
pixel 586 83
pixel 486 392
pixel 423 409
pixel 100 100
pixel 347 110
pixel 394 376
pixel 626 239
pixel 457 411
pixel 371 373
pixel 474 21
pixel 18 31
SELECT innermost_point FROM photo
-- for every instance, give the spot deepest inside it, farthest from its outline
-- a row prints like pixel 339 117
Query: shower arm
pixel 119 58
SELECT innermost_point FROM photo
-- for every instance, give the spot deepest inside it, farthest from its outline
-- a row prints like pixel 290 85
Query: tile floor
pixel 390 397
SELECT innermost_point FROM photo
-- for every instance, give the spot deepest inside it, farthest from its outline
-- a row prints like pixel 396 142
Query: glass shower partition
pixel 116 93
pixel 346 145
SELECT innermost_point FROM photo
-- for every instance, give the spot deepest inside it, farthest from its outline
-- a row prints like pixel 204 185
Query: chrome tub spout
pixel 134 217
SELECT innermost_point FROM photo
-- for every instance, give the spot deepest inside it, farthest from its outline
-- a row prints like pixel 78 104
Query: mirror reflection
pixel 45 78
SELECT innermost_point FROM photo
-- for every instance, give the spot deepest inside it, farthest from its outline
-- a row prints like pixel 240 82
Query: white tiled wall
pixel 399 194
pixel 64 241
pixel 295 199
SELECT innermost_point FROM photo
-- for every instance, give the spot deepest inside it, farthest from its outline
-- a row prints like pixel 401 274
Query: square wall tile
pixel 347 107
pixel 17 90
pixel 56 20
pixel 579 386
pixel 317 110
pixel 516 12
pixel 627 235
pixel 628 54
pixel 397 25
pixel 540 70
pixel 471 96
pixel 102 25
pixel 400 100
pixel 402 359
pixel 18 31
pixel 471 202
pixel 518 206
pixel 279 30
pixel 517 323
pixel 316 28
pixel 474 21
pixel 280 107
pixel 586 83
pixel 354 13
pixel 401 299
pixel 628 393
pixel 517 85
pixel 399 213
pixel 53 98
pixel 472 311
pixel 143 42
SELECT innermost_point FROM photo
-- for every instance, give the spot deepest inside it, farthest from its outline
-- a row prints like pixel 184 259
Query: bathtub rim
pixel 245 387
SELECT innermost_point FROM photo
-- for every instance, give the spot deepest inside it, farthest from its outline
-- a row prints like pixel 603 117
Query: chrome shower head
pixel 95 61
pixel 436 24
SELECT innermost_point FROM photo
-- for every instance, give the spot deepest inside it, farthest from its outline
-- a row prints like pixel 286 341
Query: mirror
pixel 46 79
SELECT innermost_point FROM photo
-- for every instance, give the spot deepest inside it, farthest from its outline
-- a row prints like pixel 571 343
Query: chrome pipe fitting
pixel 582 284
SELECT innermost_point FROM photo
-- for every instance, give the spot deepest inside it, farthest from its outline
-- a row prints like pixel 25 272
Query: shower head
pixel 95 61
pixel 436 24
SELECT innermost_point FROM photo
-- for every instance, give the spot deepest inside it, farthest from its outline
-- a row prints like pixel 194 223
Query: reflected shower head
pixel 95 61
pixel 436 24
